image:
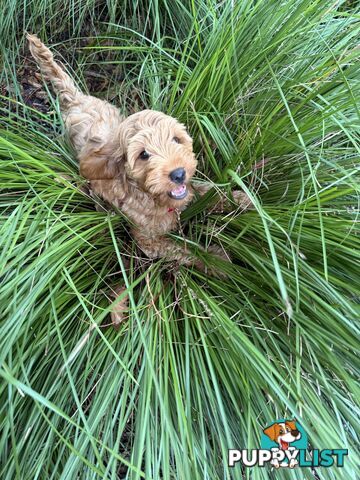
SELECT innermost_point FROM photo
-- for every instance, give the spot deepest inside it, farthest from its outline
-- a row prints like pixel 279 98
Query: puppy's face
pixel 283 433
pixel 160 158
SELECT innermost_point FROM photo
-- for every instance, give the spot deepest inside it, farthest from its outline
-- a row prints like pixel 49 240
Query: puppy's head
pixel 283 433
pixel 159 156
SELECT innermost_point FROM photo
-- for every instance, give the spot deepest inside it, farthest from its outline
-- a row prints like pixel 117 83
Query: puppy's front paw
pixel 242 199
pixel 120 311
pixel 226 204
pixel 219 252
pixel 214 271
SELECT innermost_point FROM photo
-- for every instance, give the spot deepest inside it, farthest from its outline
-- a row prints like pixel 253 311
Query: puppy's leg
pixel 161 246
pixel 120 310
pixel 224 203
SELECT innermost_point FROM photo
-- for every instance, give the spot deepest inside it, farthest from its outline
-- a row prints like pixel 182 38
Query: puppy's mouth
pixel 284 445
pixel 179 192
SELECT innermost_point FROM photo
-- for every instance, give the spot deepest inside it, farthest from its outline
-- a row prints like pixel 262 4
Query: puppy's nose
pixel 178 175
pixel 295 433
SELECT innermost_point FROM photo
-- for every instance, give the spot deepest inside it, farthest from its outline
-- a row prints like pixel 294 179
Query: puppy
pixel 283 434
pixel 142 164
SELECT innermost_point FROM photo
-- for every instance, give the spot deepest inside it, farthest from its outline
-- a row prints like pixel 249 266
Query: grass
pixel 269 91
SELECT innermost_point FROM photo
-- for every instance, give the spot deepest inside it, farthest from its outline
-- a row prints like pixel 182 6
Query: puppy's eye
pixel 176 139
pixel 144 155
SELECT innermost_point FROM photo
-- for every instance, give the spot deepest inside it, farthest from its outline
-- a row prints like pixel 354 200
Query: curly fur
pixel 108 148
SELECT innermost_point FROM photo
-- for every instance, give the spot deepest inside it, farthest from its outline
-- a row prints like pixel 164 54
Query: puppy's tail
pixel 63 85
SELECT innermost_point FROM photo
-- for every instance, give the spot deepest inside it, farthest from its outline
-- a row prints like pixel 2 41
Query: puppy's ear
pixel 272 432
pixel 99 161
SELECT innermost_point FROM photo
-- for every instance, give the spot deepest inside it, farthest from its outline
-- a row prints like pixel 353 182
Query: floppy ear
pixel 272 431
pixel 99 161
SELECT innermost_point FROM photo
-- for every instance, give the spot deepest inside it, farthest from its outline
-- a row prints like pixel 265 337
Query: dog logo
pixel 284 443
pixel 284 436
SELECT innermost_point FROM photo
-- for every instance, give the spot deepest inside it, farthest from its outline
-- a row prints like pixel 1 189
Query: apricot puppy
pixel 142 164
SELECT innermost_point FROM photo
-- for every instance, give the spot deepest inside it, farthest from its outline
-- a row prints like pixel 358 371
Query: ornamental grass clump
pixel 270 93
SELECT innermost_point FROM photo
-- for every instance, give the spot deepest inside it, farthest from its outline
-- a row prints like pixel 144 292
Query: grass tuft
pixel 269 91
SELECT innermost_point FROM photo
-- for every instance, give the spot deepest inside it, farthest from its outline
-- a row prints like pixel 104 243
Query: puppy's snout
pixel 295 433
pixel 178 175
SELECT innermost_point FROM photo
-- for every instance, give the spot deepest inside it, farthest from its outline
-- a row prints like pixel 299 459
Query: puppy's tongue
pixel 284 445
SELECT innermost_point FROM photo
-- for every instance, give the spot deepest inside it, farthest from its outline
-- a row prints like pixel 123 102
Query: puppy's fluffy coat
pixel 141 164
